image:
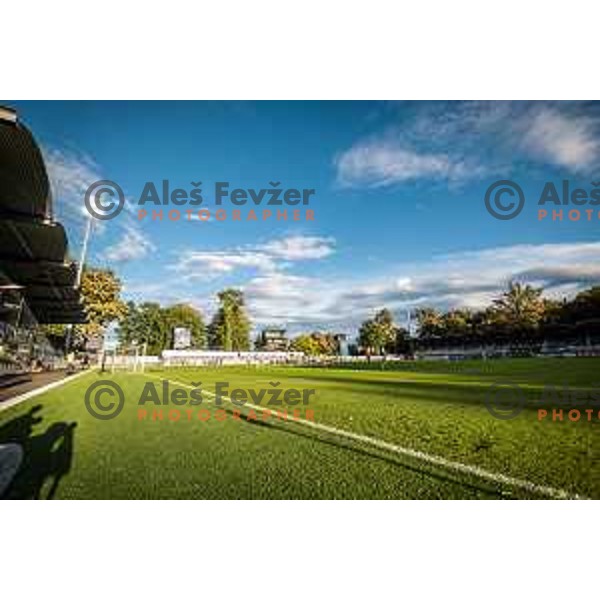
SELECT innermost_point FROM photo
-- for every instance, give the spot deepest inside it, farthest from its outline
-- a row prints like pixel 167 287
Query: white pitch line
pixel 41 390
pixel 431 459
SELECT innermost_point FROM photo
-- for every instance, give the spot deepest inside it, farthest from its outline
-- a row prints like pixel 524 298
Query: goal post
pixel 125 358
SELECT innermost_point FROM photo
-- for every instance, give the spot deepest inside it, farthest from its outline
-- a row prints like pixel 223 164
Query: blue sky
pixel 399 221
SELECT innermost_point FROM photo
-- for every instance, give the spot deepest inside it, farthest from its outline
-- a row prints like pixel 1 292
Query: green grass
pixel 437 408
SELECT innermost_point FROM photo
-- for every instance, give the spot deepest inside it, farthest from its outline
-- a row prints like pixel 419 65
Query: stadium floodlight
pixel 86 239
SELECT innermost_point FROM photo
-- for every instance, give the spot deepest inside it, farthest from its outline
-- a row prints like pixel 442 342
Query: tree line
pixel 154 325
pixel 520 316
pixel 150 323
pixel 315 344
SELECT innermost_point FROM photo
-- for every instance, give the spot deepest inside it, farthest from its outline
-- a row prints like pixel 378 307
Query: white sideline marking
pixel 439 461
pixel 41 390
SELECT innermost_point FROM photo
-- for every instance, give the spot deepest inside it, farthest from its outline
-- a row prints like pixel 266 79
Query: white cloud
pixel 300 247
pixel 70 176
pixel 381 163
pixel 460 279
pixel 453 142
pixel 284 299
pixel 566 141
pixel 133 245
pixel 208 264
pixel 465 279
pixel 262 258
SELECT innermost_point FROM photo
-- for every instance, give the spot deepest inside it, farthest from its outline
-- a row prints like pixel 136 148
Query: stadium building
pixel 38 281
pixel 274 340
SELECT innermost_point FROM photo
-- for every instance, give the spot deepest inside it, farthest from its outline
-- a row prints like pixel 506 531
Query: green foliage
pixel 306 343
pixel 520 307
pixel 315 344
pixel 184 315
pixel 379 335
pixel 519 315
pixel 101 293
pixel 430 322
pixel 585 306
pixel 230 327
pixel 150 324
pixel 145 324
pixel 101 298
pixel 259 342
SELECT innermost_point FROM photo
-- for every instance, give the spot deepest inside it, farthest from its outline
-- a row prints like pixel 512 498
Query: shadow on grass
pixel 483 489
pixel 47 456
pixel 577 371
pixel 473 393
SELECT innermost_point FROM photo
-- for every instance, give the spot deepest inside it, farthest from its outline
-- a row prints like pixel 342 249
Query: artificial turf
pixel 436 408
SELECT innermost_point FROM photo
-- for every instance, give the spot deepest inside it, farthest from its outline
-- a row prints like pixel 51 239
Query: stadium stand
pixel 37 279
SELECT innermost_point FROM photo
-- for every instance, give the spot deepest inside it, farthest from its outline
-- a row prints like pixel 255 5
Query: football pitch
pixel 419 430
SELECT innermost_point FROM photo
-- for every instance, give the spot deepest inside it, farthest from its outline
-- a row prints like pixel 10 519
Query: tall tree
pixel 378 335
pixel 184 315
pixel 384 320
pixel 147 323
pixel 316 343
pixel 404 343
pixel 430 323
pixel 230 327
pixel 308 344
pixel 101 297
pixel 457 325
pixel 586 305
pixel 583 314
pixel 101 290
pixel 521 307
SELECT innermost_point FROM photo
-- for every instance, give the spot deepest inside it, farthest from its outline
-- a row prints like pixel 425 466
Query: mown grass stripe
pixel 438 461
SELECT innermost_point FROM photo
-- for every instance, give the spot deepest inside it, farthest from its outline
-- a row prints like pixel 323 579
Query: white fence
pixel 179 358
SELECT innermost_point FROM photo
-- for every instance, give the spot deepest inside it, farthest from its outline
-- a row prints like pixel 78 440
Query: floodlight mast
pixel 144 350
pixel 135 357
pixel 86 238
